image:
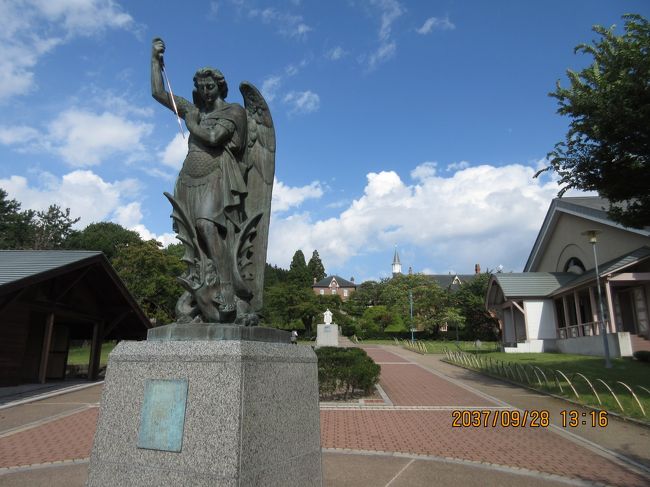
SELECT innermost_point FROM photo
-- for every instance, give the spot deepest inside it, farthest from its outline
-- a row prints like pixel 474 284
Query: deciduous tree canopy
pixel 607 147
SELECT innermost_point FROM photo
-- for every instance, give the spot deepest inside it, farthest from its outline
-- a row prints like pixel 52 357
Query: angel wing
pixel 259 158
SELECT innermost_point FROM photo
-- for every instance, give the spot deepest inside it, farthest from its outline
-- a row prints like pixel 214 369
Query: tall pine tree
pixel 316 267
pixel 298 272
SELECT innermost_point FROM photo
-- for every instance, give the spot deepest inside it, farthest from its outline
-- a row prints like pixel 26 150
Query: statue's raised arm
pixel 157 85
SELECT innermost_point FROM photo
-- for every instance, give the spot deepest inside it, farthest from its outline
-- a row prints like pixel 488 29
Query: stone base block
pixel 327 335
pixel 251 416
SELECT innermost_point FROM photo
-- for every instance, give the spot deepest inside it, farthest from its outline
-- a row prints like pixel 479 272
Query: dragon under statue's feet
pixel 249 319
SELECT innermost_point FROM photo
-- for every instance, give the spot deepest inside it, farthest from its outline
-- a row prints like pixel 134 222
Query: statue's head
pixel 208 82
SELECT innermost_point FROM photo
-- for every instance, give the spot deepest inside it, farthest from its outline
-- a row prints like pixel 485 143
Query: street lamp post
pixel 411 314
pixel 593 239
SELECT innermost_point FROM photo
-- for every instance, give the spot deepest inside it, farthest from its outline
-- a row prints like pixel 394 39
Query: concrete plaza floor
pixel 406 441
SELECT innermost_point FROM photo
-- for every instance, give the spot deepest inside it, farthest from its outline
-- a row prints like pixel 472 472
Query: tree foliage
pixel 150 274
pixel 298 271
pixel 30 230
pixel 607 147
pixel 16 226
pixel 106 237
pixel 316 267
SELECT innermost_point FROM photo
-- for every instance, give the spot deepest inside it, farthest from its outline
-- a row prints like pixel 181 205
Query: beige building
pixel 554 304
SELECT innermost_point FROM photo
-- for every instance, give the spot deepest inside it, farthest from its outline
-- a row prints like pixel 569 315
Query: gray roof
pixel 21 264
pixel 608 267
pixel 532 284
pixel 325 282
pixel 590 207
pixel 396 258
pixel 447 280
pixel 546 284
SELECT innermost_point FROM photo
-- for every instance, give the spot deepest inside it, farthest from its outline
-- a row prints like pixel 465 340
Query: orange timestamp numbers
pixel 505 418
pixel 483 418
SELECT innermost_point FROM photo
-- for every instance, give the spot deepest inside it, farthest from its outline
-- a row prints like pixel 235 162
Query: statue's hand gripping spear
pixel 169 87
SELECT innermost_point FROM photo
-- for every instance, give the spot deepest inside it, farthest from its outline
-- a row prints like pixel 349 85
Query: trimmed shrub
pixel 342 372
pixel 642 355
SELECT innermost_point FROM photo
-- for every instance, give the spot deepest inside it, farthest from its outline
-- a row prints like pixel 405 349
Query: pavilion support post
pixel 45 351
pixel 611 313
pixel 593 305
pixel 576 304
pixel 95 350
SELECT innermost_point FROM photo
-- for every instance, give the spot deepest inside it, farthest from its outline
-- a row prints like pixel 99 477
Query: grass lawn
pixel 631 372
pixel 439 346
pixel 81 355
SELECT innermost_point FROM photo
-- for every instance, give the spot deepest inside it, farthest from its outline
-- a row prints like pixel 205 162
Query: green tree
pixel 150 274
pixel 52 228
pixel 316 267
pixel 470 300
pixel 16 226
pixel 106 237
pixel 607 147
pixel 298 271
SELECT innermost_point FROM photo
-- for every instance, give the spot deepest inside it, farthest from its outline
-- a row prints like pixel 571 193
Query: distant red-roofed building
pixel 335 286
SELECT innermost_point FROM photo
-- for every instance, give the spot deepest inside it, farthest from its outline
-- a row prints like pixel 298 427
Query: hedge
pixel 342 372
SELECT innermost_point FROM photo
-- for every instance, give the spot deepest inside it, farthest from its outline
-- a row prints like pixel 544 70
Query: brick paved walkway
pixel 429 432
pixel 424 429
pixel 66 438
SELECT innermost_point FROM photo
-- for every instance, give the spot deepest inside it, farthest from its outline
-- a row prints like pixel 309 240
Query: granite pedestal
pixel 327 335
pixel 250 417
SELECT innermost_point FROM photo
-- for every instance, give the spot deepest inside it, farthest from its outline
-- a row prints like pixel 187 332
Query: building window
pixel 574 265
pixel 333 291
pixel 322 291
pixel 345 292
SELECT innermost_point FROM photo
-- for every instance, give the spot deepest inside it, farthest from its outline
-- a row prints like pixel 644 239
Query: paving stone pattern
pixel 386 429
pixel 66 438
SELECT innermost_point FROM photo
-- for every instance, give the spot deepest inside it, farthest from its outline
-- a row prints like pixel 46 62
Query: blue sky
pixel 416 124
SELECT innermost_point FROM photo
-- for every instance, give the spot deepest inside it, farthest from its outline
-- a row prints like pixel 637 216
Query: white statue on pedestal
pixel 327 317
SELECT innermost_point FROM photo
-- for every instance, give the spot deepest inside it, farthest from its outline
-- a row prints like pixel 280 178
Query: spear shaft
pixel 171 96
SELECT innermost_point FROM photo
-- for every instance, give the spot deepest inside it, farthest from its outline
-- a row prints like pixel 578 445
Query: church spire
pixel 397 265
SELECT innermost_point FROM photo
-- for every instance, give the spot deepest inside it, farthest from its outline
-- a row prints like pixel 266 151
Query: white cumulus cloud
pixel 174 154
pixel 86 194
pixel 302 101
pixel 433 23
pixel 286 197
pixel 478 214
pixel 84 138
pixel 29 29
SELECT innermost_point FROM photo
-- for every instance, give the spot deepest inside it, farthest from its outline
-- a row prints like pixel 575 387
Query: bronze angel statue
pixel 222 197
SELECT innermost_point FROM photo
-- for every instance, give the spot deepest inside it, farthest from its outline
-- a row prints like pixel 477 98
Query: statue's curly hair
pixel 216 75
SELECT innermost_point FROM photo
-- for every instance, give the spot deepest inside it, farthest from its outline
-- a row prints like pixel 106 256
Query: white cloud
pixel 455 166
pixel 270 87
pixel 61 20
pixel 286 197
pixel 81 137
pixel 287 24
pixel 390 11
pixel 424 171
pixel 484 214
pixel 84 138
pixel 18 134
pixel 302 101
pixel 130 216
pixel 86 194
pixel 174 154
pixel 383 53
pixel 336 53
pixel 433 23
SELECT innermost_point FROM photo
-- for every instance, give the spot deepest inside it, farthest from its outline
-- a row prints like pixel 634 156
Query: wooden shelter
pixel 50 297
